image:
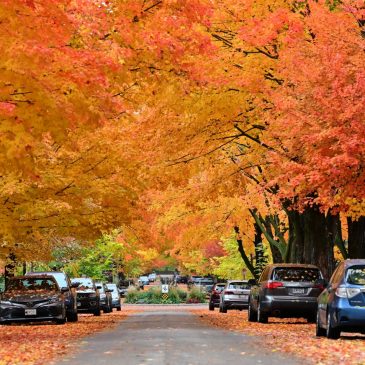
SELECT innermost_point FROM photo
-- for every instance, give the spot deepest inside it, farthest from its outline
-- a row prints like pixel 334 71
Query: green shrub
pixel 154 296
pixel 196 296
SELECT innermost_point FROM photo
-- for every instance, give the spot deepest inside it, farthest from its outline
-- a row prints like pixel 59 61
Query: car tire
pixel 320 332
pixel 332 333
pixel 251 314
pixel 211 306
pixel 119 309
pixel 261 317
pixel 63 319
pixel 223 309
pixel 72 317
pixel 97 312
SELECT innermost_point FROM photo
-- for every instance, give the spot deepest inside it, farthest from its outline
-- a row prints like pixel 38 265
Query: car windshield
pixel 84 283
pixel 297 274
pixel 112 287
pixel 238 285
pixel 356 275
pixel 32 284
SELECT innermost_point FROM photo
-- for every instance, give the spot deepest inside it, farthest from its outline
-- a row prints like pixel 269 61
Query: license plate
pixel 297 291
pixel 79 304
pixel 30 312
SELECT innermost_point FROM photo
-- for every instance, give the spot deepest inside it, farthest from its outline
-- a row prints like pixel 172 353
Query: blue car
pixel 341 306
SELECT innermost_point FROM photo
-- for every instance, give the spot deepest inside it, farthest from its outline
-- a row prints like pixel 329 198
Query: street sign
pixel 164 288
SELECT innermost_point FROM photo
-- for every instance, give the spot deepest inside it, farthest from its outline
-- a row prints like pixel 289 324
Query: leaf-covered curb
pixel 294 336
pixel 38 344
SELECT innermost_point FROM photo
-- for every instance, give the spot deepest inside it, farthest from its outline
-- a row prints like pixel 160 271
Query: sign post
pixel 164 289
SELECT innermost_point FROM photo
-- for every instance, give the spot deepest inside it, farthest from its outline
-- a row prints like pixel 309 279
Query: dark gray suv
pixel 285 290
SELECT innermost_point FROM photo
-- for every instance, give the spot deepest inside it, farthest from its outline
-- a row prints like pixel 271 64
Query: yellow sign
pixel 165 296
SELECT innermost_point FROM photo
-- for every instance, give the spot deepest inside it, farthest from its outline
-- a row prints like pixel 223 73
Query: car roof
pixel 307 266
pixel 352 262
pixel 237 281
pixel 41 276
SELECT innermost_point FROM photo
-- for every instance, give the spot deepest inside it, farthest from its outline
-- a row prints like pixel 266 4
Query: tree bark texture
pixel 356 241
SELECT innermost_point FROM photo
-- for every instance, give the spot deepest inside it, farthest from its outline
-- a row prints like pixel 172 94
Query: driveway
pixel 168 336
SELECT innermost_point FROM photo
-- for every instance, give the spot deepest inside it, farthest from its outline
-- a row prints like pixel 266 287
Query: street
pixel 169 336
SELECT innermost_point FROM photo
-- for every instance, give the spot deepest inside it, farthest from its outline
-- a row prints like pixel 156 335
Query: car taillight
pixel 347 292
pixel 319 286
pixel 274 284
pixel 228 292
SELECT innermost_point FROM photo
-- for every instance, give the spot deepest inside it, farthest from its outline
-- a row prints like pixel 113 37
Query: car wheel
pixel 97 312
pixel 72 317
pixel 224 309
pixel 252 315
pixel 119 309
pixel 333 333
pixel 320 332
pixel 261 317
pixel 211 306
pixel 63 319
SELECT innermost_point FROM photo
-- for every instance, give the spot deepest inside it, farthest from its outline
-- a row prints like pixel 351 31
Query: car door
pixel 256 289
pixel 327 295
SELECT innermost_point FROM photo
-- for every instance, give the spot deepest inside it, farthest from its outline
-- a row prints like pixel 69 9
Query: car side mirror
pixel 98 287
pixel 64 289
pixel 108 291
pixel 75 285
pixel 252 282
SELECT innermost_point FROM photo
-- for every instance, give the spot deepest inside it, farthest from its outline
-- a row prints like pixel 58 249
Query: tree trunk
pixel 10 267
pixel 356 242
pixel 308 240
pixel 275 253
pixel 242 252
pixel 335 233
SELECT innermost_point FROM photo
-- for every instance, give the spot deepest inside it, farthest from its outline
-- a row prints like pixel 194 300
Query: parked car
pixel 193 279
pixel 215 296
pixel 152 277
pixel 234 295
pixel 115 296
pixel 125 285
pixel 205 285
pixel 181 279
pixel 285 290
pixel 142 281
pixel 88 296
pixel 341 306
pixel 70 294
pixel 33 298
pixel 105 297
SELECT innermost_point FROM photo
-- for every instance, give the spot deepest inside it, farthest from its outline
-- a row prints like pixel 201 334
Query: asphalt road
pixel 160 337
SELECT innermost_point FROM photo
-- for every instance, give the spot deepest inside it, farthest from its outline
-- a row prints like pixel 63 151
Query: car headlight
pixel 5 304
pixel 55 299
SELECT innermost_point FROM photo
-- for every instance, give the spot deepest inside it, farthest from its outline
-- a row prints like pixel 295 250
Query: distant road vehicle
pixel 205 285
pixel 215 296
pixel 105 297
pixel 285 290
pixel 234 295
pixel 70 294
pixel 115 296
pixel 142 281
pixel 33 298
pixel 152 277
pixel 341 306
pixel 88 296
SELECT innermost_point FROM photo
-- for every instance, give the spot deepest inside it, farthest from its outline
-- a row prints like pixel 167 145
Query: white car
pixel 152 277
pixel 143 280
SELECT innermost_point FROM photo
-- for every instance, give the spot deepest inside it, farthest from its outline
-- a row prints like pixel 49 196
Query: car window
pixel 356 275
pixel 265 274
pixel 61 279
pixel 84 283
pixel 101 287
pixel 337 275
pixel 238 285
pixel 297 274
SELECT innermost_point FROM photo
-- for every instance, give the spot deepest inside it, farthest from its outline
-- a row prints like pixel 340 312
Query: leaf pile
pixel 294 336
pixel 36 344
